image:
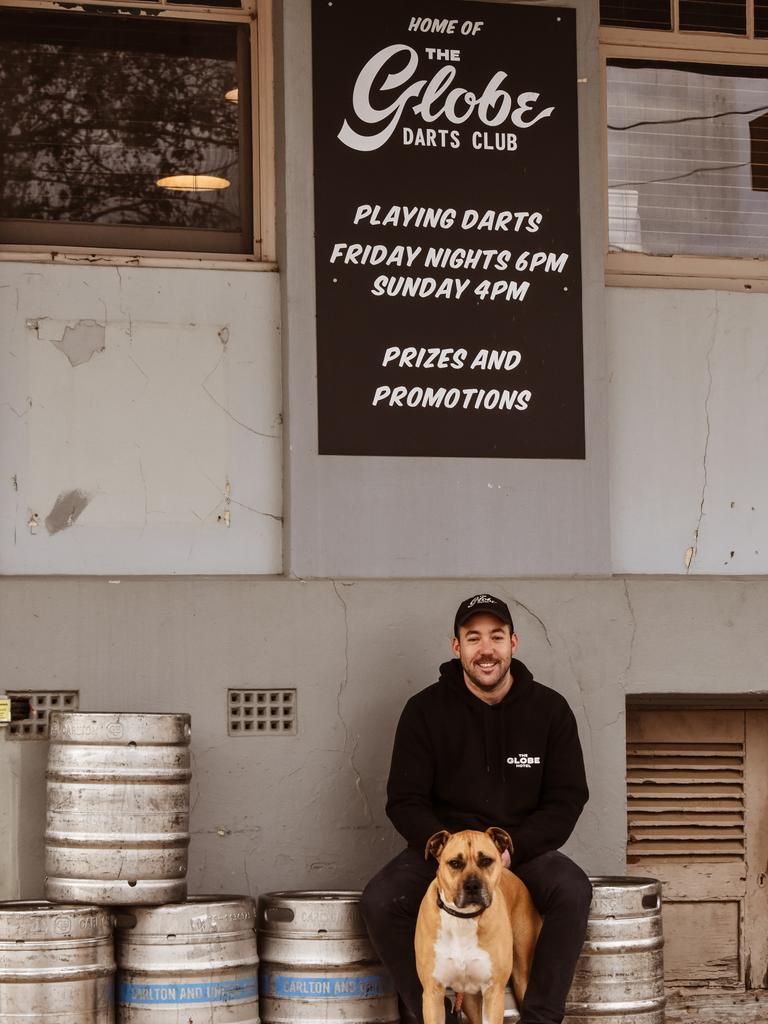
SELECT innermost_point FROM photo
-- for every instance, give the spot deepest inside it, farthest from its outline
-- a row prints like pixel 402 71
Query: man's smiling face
pixel 485 647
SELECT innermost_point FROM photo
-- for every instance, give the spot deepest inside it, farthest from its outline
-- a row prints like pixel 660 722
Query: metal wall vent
pixel 261 711
pixel 30 710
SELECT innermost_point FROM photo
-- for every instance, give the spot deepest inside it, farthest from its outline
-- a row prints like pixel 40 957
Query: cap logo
pixel 481 599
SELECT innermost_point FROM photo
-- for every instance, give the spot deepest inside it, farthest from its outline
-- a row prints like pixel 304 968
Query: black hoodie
pixel 460 763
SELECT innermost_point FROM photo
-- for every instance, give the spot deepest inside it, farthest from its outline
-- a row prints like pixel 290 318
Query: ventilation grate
pixel 261 711
pixel 685 800
pixel 34 706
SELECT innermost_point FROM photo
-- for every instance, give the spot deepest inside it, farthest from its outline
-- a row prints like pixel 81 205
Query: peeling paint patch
pixel 67 509
pixel 81 340
pixel 224 517
pixel 688 557
pixel 224 335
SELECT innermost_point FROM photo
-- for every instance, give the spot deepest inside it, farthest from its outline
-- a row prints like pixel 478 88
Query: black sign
pixel 447 230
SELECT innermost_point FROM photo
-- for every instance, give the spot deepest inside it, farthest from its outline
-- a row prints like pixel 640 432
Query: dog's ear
pixel 500 839
pixel 435 844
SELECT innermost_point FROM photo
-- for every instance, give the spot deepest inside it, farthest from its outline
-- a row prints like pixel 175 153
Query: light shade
pixel 232 95
pixel 193 183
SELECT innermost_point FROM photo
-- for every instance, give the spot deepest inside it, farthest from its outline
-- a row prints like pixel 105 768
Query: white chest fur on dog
pixel 460 962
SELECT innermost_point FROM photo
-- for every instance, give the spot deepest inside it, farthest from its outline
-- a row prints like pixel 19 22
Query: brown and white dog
pixel 477 927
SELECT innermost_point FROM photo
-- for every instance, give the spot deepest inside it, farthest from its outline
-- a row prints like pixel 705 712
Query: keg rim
pixel 31 906
pixel 121 714
pixel 318 895
pixel 226 897
pixel 147 916
pixel 242 897
pixel 623 881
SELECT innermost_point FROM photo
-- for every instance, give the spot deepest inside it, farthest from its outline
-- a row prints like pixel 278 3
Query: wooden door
pixel 697 802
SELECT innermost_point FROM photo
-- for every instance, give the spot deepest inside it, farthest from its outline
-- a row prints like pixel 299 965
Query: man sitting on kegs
pixel 486 746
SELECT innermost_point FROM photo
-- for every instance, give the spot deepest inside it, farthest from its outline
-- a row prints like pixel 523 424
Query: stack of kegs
pixel 117 939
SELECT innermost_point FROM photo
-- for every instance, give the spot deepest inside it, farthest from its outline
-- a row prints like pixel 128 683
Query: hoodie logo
pixel 524 761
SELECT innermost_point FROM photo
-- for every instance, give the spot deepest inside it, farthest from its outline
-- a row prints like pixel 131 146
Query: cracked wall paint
pixel 140 429
pixel 689 399
pixel 79 341
pixel 351 740
pixel 66 510
pixel 147 390
pixel 715 316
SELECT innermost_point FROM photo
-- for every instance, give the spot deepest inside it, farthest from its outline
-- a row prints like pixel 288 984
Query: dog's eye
pixel 484 861
pixel 456 864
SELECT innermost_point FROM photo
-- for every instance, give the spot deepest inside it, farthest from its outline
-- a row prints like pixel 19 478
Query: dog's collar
pixel 458 913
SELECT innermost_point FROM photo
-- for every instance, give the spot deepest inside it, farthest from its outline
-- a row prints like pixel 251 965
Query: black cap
pixel 482 604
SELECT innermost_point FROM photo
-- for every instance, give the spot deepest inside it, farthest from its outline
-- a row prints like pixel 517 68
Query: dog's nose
pixel 473 883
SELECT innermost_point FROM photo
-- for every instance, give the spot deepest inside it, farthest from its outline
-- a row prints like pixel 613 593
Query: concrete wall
pixel 140 422
pixel 272 812
pixel 689 418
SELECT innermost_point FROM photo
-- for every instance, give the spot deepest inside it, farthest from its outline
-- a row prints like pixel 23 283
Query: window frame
pixel 626 269
pixel 257 15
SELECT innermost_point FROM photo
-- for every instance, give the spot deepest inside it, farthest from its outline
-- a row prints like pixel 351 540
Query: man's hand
pixel 506 860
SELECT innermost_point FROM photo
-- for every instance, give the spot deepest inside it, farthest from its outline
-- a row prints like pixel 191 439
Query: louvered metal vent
pixel 685 800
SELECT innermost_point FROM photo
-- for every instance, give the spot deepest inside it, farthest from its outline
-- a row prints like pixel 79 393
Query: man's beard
pixel 485 684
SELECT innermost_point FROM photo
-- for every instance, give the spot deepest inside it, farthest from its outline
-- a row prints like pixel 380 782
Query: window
pixel 734 17
pixel 686 87
pixel 687 159
pixel 126 131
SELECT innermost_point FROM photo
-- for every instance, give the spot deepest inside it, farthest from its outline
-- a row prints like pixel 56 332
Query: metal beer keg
pixel 619 978
pixel 317 963
pixel 193 961
pixel 56 963
pixel 117 827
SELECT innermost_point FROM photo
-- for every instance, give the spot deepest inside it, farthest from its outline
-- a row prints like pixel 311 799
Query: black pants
pixel 560 890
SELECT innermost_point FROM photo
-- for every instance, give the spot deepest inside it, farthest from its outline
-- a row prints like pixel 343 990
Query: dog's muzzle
pixel 473 892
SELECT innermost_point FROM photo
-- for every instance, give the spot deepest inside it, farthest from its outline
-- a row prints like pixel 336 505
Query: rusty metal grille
pixel 252 712
pixel 37 705
pixel 685 800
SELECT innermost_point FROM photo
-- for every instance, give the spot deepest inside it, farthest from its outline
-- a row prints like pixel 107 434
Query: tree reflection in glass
pixel 95 109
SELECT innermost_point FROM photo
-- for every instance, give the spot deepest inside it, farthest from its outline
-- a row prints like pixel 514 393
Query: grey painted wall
pixel 393 517
pixel 286 812
pixel 689 418
pixel 140 420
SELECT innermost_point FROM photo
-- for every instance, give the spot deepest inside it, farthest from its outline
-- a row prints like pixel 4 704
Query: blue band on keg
pixel 317 987
pixel 174 994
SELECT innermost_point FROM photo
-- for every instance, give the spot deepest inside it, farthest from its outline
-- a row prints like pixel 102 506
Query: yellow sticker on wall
pixel 5 709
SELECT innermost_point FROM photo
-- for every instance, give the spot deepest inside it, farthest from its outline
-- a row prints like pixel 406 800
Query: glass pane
pixel 687 159
pixel 761 18
pixel 207 3
pixel 728 16
pixel 96 110
pixel 636 13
